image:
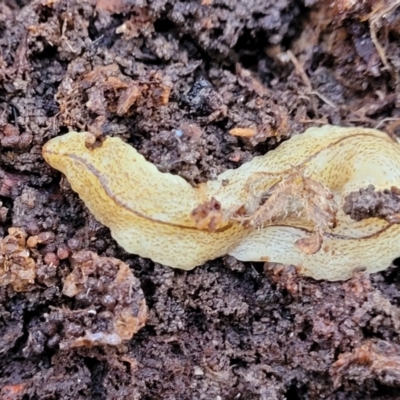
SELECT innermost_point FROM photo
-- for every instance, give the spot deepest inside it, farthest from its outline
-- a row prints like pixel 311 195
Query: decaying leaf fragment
pixel 108 88
pixel 110 306
pixel 379 360
pixel 152 213
pixel 243 132
pixel 17 268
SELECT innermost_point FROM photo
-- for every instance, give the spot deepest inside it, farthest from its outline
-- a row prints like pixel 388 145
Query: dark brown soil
pixel 367 203
pixel 175 79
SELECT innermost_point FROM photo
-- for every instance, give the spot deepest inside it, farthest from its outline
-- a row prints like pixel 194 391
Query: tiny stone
pixel 46 237
pixel 73 244
pixel 197 371
pixel 32 241
pixel 63 252
pixel 54 341
pixel 51 258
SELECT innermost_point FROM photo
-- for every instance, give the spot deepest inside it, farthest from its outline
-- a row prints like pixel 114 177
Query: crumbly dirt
pixel 367 203
pixel 197 87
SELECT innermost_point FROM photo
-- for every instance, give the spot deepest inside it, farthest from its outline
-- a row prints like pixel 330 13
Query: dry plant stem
pixel 375 22
pixel 306 81
pixel 150 213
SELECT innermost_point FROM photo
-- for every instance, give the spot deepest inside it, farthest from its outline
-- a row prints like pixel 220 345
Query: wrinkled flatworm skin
pixel 149 212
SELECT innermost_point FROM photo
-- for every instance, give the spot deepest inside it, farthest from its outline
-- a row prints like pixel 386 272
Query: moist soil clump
pixel 197 87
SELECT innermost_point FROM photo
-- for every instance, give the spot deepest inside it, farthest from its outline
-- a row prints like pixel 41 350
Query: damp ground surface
pixel 197 87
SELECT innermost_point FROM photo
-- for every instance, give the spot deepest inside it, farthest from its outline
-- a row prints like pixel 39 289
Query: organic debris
pixel 109 305
pixel 381 12
pixel 368 203
pixel 243 132
pixel 17 268
pixel 208 216
pixel 113 6
pixel 139 23
pixel 378 358
pixel 109 91
pixel 204 99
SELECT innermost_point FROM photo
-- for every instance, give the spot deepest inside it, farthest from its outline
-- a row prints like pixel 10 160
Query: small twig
pixel 374 19
pixel 379 124
pixel 314 121
pixel 299 69
pixel 324 99
pixel 307 82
